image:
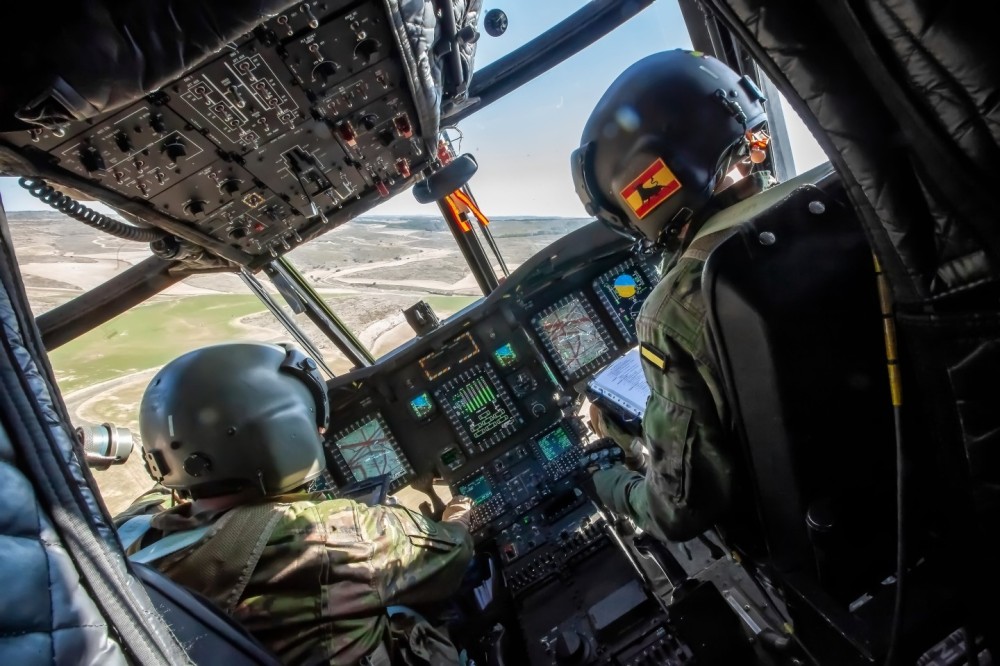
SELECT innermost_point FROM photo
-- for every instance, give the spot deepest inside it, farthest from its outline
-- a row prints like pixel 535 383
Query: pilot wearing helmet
pixel 237 429
pixel 675 140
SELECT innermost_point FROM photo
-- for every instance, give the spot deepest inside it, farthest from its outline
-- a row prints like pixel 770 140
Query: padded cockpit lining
pixel 85 57
pixel 904 96
pixel 63 576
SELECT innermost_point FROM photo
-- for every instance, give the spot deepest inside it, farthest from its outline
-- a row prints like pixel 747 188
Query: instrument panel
pixel 486 402
pixel 306 120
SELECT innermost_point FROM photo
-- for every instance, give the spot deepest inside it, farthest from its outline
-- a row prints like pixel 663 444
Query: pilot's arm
pixel 417 560
pixel 689 476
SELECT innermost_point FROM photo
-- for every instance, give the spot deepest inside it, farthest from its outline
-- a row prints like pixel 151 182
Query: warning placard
pixel 653 186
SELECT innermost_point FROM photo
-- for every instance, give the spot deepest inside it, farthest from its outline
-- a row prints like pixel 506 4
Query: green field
pixel 150 335
pixel 449 304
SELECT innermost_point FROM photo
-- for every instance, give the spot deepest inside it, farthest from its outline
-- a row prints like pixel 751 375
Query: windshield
pixel 371 268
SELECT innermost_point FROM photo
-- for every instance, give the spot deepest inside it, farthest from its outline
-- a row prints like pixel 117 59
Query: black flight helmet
pixel 233 416
pixel 652 150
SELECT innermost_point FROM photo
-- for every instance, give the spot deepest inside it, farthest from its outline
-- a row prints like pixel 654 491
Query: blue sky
pixel 524 140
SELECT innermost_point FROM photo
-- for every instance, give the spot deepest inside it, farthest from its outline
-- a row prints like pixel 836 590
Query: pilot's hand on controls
pixel 597 421
pixel 458 510
pixel 631 447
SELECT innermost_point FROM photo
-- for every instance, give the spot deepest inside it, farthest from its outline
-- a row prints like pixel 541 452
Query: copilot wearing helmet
pixel 237 428
pixel 675 139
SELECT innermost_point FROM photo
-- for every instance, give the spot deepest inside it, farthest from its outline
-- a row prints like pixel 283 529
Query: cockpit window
pixel 372 268
pixel 525 20
pixel 103 373
pixel 523 141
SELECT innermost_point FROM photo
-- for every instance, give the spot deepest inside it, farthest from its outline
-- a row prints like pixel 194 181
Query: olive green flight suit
pixel 327 572
pixel 691 474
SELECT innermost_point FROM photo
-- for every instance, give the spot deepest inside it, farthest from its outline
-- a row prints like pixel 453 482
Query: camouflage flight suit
pixel 690 478
pixel 329 569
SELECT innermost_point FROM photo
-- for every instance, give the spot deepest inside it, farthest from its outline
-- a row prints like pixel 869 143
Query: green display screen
pixel 555 443
pixel 478 489
pixel 505 356
pixel 479 407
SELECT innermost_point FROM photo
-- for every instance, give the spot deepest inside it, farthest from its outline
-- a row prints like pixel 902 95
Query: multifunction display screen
pixel 367 449
pixel 574 336
pixel 505 356
pixel 421 406
pixel 555 443
pixel 477 489
pixel 479 408
pixel 623 290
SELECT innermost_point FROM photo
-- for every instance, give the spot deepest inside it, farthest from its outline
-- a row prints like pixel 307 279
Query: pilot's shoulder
pixel 675 307
pixel 307 516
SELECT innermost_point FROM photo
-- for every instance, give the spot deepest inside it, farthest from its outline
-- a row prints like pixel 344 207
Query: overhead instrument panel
pixel 479 408
pixel 303 123
pixel 367 449
pixel 573 336
pixel 623 290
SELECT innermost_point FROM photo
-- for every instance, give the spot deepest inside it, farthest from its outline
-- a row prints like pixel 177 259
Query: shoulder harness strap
pixel 221 567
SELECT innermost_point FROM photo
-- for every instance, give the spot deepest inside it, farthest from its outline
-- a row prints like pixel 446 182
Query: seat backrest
pixel 210 636
pixel 793 306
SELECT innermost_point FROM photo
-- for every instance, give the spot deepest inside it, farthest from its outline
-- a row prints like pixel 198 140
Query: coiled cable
pixel 55 199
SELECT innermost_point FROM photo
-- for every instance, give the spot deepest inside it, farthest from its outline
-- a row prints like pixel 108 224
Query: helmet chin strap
pixel 670 237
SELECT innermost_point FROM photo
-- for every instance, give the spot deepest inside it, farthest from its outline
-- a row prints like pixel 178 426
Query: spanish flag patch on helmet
pixel 652 187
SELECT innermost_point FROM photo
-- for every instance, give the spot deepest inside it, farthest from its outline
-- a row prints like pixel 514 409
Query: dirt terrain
pixel 368 270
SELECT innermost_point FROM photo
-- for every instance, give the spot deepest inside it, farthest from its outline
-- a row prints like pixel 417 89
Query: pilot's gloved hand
pixel 458 510
pixel 604 426
pixel 614 488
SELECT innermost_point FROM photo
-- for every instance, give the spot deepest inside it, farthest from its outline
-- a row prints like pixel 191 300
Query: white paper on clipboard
pixel 624 384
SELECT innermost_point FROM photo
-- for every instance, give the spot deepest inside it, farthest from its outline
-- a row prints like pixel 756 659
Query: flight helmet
pixel 653 149
pixel 233 416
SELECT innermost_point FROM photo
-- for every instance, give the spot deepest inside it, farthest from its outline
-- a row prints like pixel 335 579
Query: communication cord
pixel 896 393
pixel 55 199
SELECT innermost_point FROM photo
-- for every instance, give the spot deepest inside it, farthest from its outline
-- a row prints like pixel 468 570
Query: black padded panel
pixel 796 318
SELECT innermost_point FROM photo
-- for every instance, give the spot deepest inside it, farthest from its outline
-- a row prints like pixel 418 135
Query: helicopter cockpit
pixel 271 126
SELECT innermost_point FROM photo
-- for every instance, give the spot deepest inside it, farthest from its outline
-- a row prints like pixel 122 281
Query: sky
pixel 523 141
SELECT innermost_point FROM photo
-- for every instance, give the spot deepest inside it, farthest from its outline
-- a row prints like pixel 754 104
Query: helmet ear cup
pixel 303 368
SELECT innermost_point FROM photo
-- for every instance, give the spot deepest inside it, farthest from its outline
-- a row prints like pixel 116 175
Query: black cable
pixel 56 200
pixel 897 609
pixel 896 394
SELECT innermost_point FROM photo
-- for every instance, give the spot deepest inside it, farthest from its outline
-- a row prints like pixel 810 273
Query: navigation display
pixel 623 290
pixel 479 408
pixel 477 489
pixel 555 443
pixel 505 356
pixel 574 337
pixel 367 449
pixel 421 406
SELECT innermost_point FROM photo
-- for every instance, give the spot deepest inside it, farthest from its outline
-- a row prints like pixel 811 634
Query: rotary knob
pixel 158 124
pixel 367 50
pixel 175 150
pixel 325 70
pixel 91 159
pixel 123 141
pixel 195 207
pixel 571 648
pixel 229 186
